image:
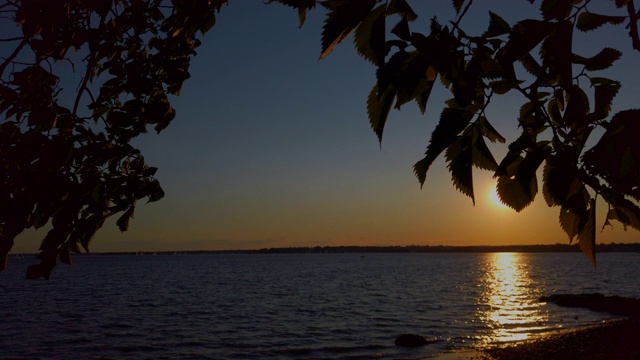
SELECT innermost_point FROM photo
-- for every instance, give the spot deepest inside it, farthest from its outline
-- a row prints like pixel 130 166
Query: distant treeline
pixel 556 248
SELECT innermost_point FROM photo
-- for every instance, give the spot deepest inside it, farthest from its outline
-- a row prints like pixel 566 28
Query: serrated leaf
pixel 457 4
pixel 527 110
pixel 157 193
pixel 481 155
pixel 378 108
pixel 530 64
pixel 607 159
pixel 452 122
pixel 302 5
pixel 569 222
pixel 556 53
pixel 557 178
pixel 343 17
pixel 604 94
pixel 413 79
pixel 621 3
pixel 394 72
pixel 369 38
pixel 402 8
pixel 555 9
pixel 554 111
pixel 401 30
pixel 459 157
pixel 517 182
pixel 123 220
pixel 602 60
pixel 489 131
pixel 422 92
pixel 577 105
pixel 625 212
pixel 501 87
pixel 587 237
pixel 511 191
pixel 588 21
pixel 497 26
pixel 524 37
pixel 210 23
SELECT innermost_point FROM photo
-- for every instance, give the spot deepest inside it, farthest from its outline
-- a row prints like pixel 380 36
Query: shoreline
pixel 611 339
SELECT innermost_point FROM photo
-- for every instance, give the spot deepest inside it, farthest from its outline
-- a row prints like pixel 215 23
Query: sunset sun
pixel 495 199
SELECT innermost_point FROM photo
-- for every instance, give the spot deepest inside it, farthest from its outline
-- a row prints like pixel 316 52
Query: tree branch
pixel 633 26
pixel 12 57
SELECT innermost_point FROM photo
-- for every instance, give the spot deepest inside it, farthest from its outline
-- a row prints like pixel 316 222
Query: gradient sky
pixel 273 148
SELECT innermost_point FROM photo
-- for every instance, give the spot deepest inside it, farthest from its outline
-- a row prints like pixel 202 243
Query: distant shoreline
pixel 555 248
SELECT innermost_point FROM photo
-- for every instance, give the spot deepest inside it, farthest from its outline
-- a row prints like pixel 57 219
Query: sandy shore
pixel 615 339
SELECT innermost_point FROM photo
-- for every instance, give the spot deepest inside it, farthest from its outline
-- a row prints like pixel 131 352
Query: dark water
pixel 336 306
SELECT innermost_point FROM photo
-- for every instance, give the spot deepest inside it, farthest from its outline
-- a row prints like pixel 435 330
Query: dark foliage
pixel 71 165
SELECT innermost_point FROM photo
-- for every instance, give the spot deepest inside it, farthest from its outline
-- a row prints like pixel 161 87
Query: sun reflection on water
pixel 512 312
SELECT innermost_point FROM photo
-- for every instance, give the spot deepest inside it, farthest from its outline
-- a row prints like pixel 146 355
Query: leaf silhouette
pixel 573 215
pixel 457 4
pixel 602 60
pixel 156 193
pixel 489 131
pixel 558 175
pixel 530 64
pixel 378 107
pixel 587 237
pixel 497 26
pixel 503 86
pixel 605 91
pixel 402 8
pixel 588 21
pixel 481 155
pixel 625 212
pixel 343 17
pixel 556 53
pixel 302 5
pixel 511 191
pixel 459 156
pixel 524 37
pixel 616 156
pixel 369 37
pixel 123 220
pixel 577 105
pixel 517 182
pixel 401 30
pixel 556 9
pixel 414 81
pixel 452 122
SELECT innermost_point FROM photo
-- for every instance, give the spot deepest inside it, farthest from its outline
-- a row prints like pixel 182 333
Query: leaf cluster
pixel 556 118
pixel 70 166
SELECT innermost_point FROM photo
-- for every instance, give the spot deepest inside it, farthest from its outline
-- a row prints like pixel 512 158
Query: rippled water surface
pixel 295 306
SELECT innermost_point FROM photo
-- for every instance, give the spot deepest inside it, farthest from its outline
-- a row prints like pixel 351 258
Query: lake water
pixel 320 306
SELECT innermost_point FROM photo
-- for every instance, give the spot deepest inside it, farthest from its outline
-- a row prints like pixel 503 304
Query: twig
pixel 12 57
pixel 633 25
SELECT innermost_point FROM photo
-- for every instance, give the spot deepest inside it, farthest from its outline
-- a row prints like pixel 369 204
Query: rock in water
pixel 411 340
pixel 616 305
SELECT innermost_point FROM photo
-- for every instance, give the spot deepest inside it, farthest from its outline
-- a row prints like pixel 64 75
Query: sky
pixel 272 147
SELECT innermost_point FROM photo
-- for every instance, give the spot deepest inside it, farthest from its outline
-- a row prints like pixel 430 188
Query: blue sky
pixel 272 147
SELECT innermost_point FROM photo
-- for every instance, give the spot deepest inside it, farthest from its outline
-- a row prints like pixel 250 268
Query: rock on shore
pixel 616 305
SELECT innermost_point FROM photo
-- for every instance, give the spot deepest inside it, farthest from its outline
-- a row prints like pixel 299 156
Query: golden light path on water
pixel 513 313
